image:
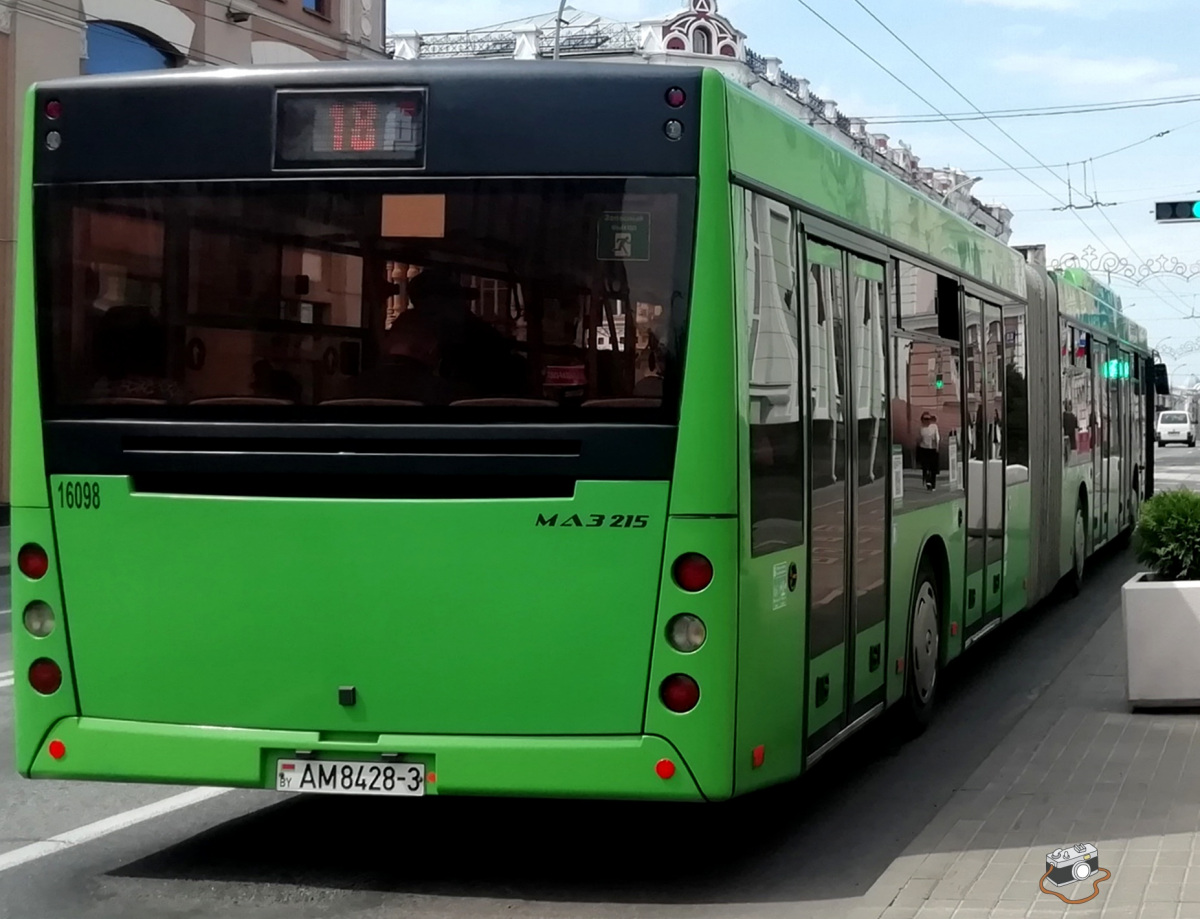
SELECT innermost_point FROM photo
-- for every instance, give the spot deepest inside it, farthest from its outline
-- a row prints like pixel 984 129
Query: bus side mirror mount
pixel 1162 381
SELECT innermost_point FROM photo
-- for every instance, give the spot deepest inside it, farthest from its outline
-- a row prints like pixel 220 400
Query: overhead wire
pixel 960 128
pixel 1046 112
pixel 960 94
pixel 1101 156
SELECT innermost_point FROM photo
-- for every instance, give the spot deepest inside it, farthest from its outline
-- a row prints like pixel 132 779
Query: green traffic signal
pixel 1170 211
pixel 1115 370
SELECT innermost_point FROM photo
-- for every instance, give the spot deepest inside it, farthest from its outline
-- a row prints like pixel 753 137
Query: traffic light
pixel 1177 211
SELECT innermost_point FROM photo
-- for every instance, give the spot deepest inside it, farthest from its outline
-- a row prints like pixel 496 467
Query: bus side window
pixel 773 367
pixel 926 411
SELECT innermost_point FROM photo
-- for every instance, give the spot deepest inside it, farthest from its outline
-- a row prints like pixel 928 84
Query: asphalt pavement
pixel 955 823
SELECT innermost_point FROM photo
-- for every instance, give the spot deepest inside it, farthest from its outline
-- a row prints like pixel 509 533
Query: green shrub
pixel 1168 535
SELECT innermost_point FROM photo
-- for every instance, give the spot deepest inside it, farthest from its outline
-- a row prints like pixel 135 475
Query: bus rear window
pixel 309 299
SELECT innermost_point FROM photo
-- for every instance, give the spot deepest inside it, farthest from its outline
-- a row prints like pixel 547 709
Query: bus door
pixel 1122 471
pixel 850 518
pixel 976 449
pixel 995 462
pixel 1100 445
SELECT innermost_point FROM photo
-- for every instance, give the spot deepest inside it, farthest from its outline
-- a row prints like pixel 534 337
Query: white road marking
pixel 4 684
pixel 106 827
pixel 6 673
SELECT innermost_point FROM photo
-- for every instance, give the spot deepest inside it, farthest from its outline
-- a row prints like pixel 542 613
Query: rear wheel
pixel 1078 553
pixel 924 644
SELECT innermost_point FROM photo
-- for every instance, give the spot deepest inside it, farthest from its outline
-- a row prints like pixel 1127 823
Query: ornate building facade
pixel 700 34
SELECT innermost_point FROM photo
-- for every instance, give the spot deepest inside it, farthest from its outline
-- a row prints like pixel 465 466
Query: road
pixel 1177 466
pixel 810 849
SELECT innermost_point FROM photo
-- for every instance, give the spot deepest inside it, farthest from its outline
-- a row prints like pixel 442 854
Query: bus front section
pixel 347 409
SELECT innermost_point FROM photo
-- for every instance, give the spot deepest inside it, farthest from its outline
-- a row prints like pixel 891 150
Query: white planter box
pixel 1162 642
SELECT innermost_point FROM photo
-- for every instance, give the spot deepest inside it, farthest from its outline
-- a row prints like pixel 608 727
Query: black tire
pixel 1078 553
pixel 924 647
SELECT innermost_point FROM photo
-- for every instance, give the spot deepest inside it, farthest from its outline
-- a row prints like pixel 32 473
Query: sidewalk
pixel 1079 767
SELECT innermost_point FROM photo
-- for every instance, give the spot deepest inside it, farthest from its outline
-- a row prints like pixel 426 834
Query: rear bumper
pixel 567 767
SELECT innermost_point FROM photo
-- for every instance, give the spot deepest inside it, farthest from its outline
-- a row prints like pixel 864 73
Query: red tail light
pixel 32 561
pixel 45 676
pixel 693 572
pixel 680 693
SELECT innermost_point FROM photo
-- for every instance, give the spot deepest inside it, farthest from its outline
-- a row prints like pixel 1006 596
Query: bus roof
pixel 802 162
pixel 1083 297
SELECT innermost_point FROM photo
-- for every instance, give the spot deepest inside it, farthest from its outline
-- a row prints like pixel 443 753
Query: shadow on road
pixel 828 836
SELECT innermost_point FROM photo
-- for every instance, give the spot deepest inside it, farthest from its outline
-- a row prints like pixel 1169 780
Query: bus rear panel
pixel 346 420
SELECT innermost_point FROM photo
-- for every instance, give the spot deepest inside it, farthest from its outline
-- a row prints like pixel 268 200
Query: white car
pixel 1175 428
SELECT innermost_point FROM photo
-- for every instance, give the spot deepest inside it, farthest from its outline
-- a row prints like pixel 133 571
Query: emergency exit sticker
pixel 897 474
pixel 779 586
pixel 623 236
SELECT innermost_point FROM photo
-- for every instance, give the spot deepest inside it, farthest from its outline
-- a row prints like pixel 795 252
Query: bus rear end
pixel 348 403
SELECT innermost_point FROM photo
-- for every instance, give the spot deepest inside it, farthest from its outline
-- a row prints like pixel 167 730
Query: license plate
pixel 339 777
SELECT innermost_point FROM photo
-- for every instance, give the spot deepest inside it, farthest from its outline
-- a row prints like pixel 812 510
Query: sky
pixel 1000 54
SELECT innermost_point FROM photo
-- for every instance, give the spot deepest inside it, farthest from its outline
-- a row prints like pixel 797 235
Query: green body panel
pixel 35 712
pixel 973 600
pixel 706 471
pixel 1017 547
pixel 867 681
pixel 28 464
pixel 258 610
pixel 31 518
pixel 704 492
pixel 773 624
pixel 579 767
pixel 703 736
pixel 768 146
pixel 831 664
pixel 770 667
pixel 995 589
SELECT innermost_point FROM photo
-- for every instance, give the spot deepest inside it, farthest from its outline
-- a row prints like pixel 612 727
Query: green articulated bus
pixel 478 428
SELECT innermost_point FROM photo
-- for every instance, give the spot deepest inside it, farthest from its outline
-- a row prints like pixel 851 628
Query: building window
pixel 113 48
pixel 320 7
pixel 702 41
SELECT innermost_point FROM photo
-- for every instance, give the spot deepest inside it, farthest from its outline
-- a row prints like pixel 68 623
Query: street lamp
pixel 965 183
pixel 562 5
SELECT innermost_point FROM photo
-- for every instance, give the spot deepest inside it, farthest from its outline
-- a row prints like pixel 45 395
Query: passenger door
pixel 996 463
pixel 986 464
pixel 1100 447
pixel 976 448
pixel 850 518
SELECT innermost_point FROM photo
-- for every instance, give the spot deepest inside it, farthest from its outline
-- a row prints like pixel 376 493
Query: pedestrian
pixel 929 449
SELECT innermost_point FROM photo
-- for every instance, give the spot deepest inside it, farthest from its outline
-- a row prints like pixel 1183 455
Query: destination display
pixel 335 130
